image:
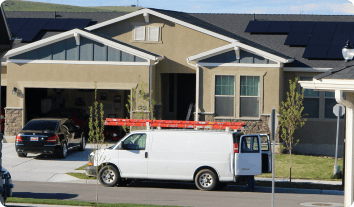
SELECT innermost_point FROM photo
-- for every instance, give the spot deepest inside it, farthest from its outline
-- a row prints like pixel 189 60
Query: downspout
pixel 196 118
pixel 150 84
pixel 339 98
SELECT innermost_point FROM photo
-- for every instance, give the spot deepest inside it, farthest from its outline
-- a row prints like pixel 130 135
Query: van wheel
pixel 109 176
pixel 22 154
pixel 206 180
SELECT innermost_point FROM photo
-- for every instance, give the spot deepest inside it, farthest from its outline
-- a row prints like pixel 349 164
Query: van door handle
pixel 146 155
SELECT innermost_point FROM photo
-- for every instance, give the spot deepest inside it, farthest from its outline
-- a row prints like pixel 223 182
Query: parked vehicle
pixel 266 154
pixel 208 158
pixel 77 115
pixel 49 136
pixel 7 184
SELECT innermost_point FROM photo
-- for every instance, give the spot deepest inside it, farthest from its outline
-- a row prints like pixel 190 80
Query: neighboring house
pixel 232 67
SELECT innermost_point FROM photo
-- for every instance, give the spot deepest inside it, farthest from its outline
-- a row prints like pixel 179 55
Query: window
pixel 224 95
pixel 330 102
pixel 249 96
pixel 139 33
pixel 264 143
pixel 135 142
pixel 249 144
pixel 154 34
pixel 311 101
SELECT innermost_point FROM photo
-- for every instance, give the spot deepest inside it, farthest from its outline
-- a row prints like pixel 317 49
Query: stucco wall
pixel 269 87
pixel 178 43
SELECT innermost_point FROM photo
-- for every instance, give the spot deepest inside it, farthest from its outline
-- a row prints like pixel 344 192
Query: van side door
pixel 266 154
pixel 249 160
pixel 132 157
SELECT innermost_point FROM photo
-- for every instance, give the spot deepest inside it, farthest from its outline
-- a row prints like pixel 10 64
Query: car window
pixel 264 143
pixel 249 144
pixel 135 142
pixel 70 125
pixel 41 125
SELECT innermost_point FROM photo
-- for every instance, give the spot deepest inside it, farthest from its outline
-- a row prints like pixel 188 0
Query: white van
pixel 208 158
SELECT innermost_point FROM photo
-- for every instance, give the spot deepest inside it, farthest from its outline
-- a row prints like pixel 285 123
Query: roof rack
pixel 175 124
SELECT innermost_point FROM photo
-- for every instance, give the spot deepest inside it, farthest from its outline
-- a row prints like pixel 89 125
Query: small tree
pixel 139 103
pixel 96 136
pixel 291 116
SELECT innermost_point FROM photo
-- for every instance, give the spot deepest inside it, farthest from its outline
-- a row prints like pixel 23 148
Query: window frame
pixel 158 34
pixel 259 96
pixel 322 101
pixel 135 134
pixel 135 33
pixel 234 96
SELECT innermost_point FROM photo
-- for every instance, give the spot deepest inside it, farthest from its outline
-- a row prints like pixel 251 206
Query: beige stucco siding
pixel 269 87
pixel 178 43
pixel 71 76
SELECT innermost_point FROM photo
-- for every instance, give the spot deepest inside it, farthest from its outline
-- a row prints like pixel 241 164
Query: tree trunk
pixel 290 159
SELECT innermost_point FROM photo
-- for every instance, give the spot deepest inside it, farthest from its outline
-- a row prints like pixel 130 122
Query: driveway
pixel 43 168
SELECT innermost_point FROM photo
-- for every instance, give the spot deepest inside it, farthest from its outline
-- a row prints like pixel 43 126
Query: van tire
pixel 109 176
pixel 206 180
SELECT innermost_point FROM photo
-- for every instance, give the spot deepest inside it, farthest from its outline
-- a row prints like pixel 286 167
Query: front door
pixel 131 157
pixel 249 159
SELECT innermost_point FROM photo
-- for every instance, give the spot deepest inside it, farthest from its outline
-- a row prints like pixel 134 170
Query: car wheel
pixel 206 180
pixel 63 151
pixel 109 176
pixel 22 154
pixel 82 144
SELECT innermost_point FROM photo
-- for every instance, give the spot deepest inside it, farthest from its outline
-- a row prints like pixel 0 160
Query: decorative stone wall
pixel 13 121
pixel 139 115
pixel 252 126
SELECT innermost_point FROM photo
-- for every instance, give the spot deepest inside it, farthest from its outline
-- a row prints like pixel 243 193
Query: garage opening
pixel 74 104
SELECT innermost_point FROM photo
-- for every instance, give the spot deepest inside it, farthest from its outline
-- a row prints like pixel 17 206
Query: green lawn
pixel 72 203
pixel 82 167
pixel 304 167
pixel 82 176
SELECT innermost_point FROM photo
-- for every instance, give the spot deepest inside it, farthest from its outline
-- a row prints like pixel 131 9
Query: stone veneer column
pixel 13 121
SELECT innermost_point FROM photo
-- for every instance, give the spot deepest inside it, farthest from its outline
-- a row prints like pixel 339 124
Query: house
pixel 232 67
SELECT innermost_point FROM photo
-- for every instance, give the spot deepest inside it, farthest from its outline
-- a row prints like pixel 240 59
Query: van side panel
pixel 176 156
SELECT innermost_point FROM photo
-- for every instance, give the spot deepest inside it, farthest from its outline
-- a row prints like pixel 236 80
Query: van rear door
pixel 266 154
pixel 248 161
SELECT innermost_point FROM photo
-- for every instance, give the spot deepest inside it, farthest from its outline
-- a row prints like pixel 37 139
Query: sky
pixel 324 7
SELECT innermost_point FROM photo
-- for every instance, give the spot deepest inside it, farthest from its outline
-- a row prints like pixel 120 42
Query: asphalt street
pixel 158 193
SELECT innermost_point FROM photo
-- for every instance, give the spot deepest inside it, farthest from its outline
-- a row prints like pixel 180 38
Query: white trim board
pixel 306 70
pixel 329 85
pixel 240 65
pixel 73 62
pixel 245 47
pixel 163 16
pixel 71 33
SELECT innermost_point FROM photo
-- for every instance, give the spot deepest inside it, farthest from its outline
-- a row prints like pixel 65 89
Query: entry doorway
pixel 178 92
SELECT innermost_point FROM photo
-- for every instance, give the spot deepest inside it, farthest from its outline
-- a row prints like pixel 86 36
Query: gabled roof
pixel 194 23
pixel 344 72
pixel 99 38
pixel 5 34
pixel 224 48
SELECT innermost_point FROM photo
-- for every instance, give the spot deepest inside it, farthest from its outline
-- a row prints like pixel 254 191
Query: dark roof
pixel 344 71
pixel 4 36
pixel 122 43
pixel 237 23
pixel 195 20
pixel 96 17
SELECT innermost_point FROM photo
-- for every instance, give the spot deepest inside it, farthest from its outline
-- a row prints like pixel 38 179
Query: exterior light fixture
pixel 15 91
pixel 348 52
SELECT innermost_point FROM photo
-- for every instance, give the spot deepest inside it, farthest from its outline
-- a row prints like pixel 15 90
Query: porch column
pixel 349 158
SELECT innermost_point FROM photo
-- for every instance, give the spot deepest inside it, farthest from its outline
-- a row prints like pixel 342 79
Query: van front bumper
pixel 90 171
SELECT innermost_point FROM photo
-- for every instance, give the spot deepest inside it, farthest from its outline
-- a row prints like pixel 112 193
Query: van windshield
pixel 264 143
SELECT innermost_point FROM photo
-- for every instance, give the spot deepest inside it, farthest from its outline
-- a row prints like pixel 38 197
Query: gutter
pixel 339 98
pixel 150 85
pixel 196 66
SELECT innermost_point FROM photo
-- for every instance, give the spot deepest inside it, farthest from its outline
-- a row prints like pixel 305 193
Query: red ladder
pixel 174 123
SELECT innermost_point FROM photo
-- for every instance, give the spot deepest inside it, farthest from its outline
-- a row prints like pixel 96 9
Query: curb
pixel 256 189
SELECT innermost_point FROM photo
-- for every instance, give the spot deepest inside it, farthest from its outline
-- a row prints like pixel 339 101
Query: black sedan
pixel 49 136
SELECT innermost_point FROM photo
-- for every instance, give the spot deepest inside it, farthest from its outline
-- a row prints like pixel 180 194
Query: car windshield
pixel 41 125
